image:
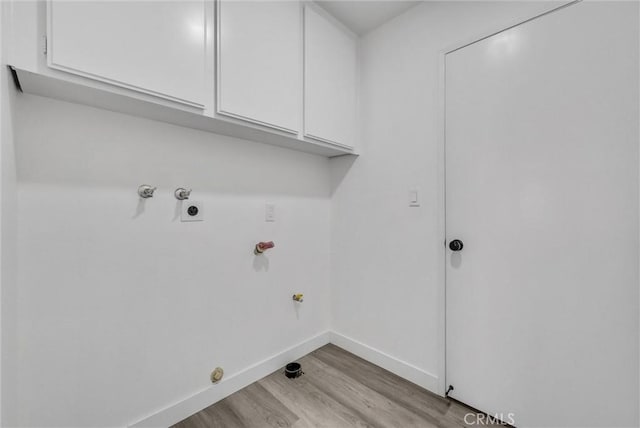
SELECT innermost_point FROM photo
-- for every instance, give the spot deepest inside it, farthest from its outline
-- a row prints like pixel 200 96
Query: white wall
pixel 8 226
pixel 117 317
pixel 122 309
pixel 8 232
pixel 387 257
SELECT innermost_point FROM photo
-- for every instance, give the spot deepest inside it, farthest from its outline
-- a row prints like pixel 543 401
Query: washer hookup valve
pixel 261 247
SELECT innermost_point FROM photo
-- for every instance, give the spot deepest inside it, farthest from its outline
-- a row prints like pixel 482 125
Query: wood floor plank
pixel 313 407
pixel 257 407
pixel 372 407
pixel 221 415
pixel 406 394
pixel 466 417
pixel 338 390
pixel 198 420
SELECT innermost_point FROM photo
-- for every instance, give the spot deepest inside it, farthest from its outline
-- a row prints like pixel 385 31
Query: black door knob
pixel 456 245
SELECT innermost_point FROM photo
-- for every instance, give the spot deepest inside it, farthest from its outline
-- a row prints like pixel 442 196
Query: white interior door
pixel 542 189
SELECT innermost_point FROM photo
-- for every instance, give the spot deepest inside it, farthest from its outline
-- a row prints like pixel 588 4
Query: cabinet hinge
pixel 44 45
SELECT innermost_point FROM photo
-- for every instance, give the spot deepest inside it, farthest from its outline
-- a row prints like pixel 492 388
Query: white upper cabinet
pixel 259 62
pixel 280 72
pixel 330 67
pixel 154 47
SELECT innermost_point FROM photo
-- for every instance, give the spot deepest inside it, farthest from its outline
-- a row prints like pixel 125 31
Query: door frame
pixel 442 230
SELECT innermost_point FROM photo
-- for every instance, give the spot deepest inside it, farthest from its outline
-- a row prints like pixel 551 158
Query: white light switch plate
pixel 191 211
pixel 414 198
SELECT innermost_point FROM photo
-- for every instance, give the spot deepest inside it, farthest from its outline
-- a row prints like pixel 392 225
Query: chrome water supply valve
pixel 181 193
pixel 145 191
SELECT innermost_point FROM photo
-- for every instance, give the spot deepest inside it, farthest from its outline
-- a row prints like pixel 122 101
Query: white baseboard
pixel 185 408
pixel 403 369
pixel 214 393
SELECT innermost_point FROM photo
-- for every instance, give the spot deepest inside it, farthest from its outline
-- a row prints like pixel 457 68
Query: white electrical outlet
pixel 191 211
pixel 270 212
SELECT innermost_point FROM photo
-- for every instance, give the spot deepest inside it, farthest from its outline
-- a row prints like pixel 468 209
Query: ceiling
pixel 361 16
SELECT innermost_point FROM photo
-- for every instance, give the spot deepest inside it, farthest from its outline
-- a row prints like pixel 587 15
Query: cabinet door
pixel 260 62
pixel 155 47
pixel 330 67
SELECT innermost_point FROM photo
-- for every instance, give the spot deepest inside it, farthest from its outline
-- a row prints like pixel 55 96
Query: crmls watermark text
pixel 496 419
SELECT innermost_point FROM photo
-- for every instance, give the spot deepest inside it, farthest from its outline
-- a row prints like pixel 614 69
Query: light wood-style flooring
pixel 337 390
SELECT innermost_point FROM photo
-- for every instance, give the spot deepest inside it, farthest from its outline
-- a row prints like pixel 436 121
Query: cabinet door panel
pixel 330 69
pixel 156 47
pixel 260 62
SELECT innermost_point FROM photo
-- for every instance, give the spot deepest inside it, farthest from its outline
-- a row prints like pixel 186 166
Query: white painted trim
pixel 216 56
pixel 269 125
pixel 515 23
pixel 327 141
pixel 114 82
pixel 210 58
pixel 441 275
pixel 401 368
pixel 178 411
pixel 442 230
